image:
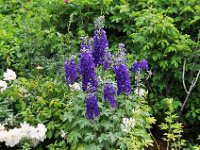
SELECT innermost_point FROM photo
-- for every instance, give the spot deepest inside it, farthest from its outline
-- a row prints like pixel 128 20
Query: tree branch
pixel 194 81
pixel 183 77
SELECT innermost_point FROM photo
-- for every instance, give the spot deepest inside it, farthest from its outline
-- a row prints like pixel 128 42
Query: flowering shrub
pixel 37 36
pixel 97 121
pixel 13 137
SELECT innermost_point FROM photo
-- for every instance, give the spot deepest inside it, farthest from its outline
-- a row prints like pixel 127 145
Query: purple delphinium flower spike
pixel 100 41
pixel 121 70
pixel 100 44
pixel 70 71
pixel 144 65
pixel 91 106
pixel 107 60
pixel 109 94
pixel 87 69
pixel 123 79
pixel 138 66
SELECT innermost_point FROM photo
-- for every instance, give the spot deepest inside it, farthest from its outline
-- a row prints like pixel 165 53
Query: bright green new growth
pixel 173 129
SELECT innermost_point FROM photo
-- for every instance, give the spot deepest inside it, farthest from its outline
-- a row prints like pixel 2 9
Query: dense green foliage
pixel 45 32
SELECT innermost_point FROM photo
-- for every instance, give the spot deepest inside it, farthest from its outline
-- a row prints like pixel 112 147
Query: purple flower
pixel 66 1
pixel 123 78
pixel 87 69
pixel 100 44
pixel 120 57
pixel 138 66
pixel 107 60
pixel 70 71
pixel 91 106
pixel 109 93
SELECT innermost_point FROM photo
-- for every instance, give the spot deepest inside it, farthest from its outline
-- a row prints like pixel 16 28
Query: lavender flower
pixel 91 106
pixel 107 60
pixel 87 69
pixel 70 71
pixel 123 78
pixel 138 66
pixel 109 92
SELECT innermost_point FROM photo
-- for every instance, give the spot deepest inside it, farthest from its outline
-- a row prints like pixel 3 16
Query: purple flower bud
pixel 123 78
pixel 138 66
pixel 109 93
pixel 87 69
pixel 91 106
pixel 70 71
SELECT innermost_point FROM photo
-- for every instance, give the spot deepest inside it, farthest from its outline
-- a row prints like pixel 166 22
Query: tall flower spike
pixel 87 69
pixel 121 70
pixel 70 71
pixel 107 60
pixel 123 79
pixel 138 66
pixel 109 94
pixel 100 41
pixel 91 106
pixel 120 57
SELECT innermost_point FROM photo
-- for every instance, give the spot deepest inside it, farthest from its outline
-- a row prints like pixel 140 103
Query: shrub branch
pixel 188 92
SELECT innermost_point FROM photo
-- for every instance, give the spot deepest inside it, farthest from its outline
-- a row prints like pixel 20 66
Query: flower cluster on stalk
pixel 109 94
pixel 95 52
pixel 122 73
pixel 70 71
pixel 100 41
pixel 91 106
pixel 87 68
pixel 107 61
pixel 139 65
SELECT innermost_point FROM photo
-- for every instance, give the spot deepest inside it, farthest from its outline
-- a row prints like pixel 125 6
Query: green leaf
pixel 73 137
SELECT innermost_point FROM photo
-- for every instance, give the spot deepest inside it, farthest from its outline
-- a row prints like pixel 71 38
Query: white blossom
pixel 63 134
pixel 127 124
pixel 39 67
pixel 9 75
pixel 3 85
pixel 75 87
pixel 38 133
pixel 13 137
pixel 140 92
pixel 2 127
pixel 25 127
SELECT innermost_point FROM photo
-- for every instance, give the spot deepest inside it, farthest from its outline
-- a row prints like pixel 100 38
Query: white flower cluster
pixel 12 137
pixel 8 76
pixel 127 124
pixel 75 87
pixel 140 92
